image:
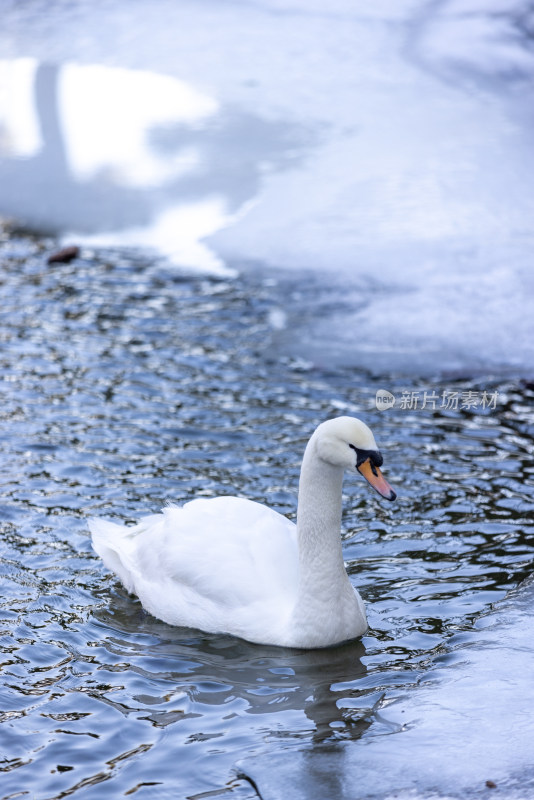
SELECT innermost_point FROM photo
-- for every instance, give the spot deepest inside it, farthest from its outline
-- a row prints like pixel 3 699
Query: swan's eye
pixel 374 456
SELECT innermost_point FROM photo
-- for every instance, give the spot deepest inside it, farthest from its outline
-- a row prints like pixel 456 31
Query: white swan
pixel 229 565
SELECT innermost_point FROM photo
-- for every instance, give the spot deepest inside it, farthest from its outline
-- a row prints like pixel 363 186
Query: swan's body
pixel 229 565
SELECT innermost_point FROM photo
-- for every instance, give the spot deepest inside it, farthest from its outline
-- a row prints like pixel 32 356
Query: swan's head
pixel 347 442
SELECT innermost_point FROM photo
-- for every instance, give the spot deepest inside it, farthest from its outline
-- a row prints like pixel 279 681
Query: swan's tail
pixel 108 541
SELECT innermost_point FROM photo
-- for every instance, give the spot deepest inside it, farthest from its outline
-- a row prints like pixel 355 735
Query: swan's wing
pixel 220 564
pixel 230 549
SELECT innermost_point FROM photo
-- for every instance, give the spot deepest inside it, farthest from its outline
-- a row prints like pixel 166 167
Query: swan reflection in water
pixel 214 675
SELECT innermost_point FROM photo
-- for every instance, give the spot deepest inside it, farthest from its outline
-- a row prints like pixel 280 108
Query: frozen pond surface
pixel 282 210
pixel 387 148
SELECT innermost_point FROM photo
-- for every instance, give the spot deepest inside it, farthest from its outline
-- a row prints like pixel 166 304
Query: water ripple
pixel 124 386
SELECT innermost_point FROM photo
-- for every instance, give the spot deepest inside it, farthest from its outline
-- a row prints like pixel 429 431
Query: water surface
pixel 125 384
pixel 282 209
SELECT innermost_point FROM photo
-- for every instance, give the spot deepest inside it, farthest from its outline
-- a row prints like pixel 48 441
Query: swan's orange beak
pixel 372 474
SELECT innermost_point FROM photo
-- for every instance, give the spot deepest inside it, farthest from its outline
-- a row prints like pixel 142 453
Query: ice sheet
pixel 466 730
pixel 388 149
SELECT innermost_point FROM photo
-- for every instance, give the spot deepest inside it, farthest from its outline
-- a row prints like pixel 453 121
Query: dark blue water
pixel 125 384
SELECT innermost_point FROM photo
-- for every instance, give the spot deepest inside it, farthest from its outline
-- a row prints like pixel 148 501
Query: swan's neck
pixel 322 571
